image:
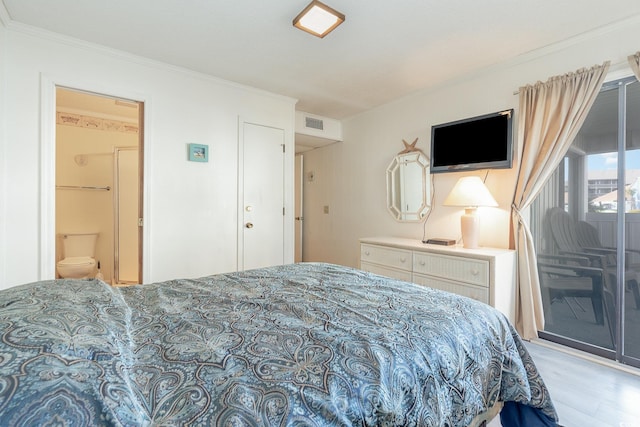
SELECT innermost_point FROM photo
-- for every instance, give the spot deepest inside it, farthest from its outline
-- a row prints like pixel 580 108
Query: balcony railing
pixel 607 223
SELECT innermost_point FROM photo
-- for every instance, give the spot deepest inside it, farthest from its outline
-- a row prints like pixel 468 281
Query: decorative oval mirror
pixel 408 189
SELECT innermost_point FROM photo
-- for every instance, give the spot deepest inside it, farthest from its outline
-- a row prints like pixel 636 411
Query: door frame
pixel 299 207
pixel 618 352
pixel 48 85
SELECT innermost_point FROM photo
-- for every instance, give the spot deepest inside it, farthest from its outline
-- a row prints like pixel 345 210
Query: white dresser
pixel 484 274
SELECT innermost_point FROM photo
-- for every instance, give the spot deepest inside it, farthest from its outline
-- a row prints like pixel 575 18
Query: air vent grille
pixel 312 123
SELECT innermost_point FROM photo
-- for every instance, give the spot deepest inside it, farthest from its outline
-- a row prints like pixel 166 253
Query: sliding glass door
pixel 586 224
pixel 631 232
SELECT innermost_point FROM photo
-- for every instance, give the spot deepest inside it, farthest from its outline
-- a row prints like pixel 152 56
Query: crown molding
pixel 619 66
pixel 51 36
pixel 578 39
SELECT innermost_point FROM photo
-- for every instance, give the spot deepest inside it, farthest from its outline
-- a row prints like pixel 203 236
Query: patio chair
pixel 579 238
pixel 568 278
pixel 589 238
pixel 564 236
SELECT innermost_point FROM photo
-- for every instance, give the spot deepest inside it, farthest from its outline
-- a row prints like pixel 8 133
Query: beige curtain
pixel 551 114
pixel 634 61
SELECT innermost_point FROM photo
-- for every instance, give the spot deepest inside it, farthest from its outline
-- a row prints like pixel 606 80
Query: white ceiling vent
pixel 316 131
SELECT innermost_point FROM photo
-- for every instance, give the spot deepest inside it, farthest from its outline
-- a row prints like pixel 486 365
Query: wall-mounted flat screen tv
pixel 482 142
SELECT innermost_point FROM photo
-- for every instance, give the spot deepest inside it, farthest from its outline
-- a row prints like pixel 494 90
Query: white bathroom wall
pixel 349 177
pixel 190 208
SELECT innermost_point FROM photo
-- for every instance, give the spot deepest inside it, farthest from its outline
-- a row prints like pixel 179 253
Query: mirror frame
pixel 394 172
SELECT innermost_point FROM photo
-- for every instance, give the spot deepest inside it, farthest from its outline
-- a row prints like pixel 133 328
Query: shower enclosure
pixel 125 212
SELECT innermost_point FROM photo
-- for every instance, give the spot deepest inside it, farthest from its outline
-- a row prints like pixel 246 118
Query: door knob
pixel 249 225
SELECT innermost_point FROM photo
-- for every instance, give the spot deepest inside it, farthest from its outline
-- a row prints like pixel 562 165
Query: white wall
pixel 3 164
pixel 349 177
pixel 190 208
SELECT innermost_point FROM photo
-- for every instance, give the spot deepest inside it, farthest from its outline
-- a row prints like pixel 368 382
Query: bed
pixel 307 344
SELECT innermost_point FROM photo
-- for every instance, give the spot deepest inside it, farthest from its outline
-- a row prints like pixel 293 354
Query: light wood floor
pixel 587 393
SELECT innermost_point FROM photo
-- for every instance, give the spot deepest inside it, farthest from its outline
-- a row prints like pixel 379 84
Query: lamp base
pixel 470 226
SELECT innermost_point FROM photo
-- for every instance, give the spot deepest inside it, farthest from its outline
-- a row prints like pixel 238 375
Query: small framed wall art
pixel 198 153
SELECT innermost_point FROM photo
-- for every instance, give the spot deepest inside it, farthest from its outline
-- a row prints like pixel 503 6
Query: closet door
pixel 261 216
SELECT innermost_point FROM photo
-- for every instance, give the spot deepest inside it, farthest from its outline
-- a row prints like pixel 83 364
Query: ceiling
pixel 385 50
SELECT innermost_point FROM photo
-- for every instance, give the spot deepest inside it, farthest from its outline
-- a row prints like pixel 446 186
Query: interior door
pixel 261 232
pixel 299 185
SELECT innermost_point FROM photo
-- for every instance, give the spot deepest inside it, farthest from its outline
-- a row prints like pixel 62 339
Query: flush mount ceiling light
pixel 318 19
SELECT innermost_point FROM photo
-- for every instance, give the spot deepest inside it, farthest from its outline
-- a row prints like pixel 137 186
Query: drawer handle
pixel 366 253
pixel 475 272
pixel 422 263
pixel 403 260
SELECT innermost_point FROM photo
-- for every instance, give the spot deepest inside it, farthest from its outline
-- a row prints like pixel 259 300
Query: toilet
pixel 78 251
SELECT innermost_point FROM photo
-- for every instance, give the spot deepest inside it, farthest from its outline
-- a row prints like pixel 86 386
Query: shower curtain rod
pixel 81 187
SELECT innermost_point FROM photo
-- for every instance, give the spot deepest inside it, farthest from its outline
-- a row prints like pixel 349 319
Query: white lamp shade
pixel 470 191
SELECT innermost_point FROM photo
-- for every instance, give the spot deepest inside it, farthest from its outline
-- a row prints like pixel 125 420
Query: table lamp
pixel 470 193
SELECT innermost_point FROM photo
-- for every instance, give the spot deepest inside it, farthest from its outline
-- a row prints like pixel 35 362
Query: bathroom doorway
pixel 99 158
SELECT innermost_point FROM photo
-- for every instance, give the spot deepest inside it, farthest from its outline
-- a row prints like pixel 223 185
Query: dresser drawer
pixel 478 293
pixel 473 271
pixel 386 271
pixel 389 257
pixel 483 274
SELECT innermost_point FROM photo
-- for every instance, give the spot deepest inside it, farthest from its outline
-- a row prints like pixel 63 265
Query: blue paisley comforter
pixel 297 345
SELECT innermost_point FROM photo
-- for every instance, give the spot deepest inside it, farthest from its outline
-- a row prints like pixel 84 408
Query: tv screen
pixel 482 142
